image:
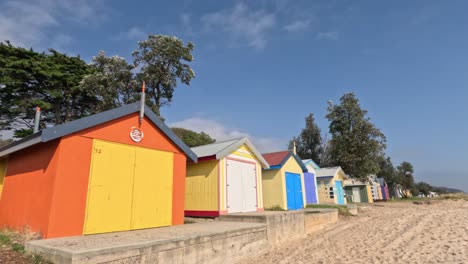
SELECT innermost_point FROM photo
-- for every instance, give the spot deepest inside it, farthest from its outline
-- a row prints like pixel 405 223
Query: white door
pixel 241 187
pixel 356 195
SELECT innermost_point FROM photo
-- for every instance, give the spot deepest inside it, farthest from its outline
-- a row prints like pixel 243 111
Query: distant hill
pixel 446 190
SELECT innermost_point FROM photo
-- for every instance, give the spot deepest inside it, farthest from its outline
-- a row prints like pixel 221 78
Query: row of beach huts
pixel 124 170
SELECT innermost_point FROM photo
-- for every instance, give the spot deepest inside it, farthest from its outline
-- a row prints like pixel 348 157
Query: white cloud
pixel 220 132
pixel 132 33
pixel 30 23
pixel 298 25
pixel 242 23
pixel 331 35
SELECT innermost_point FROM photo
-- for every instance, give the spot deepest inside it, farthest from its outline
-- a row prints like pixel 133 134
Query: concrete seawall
pixel 233 237
pixel 281 225
pixel 316 219
pixel 216 242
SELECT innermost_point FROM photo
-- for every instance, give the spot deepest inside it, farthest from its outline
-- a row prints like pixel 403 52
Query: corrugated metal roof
pixel 312 163
pixel 213 149
pixel 58 131
pixel 328 172
pixel 277 158
pixel 224 148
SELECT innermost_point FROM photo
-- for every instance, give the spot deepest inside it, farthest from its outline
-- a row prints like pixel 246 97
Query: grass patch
pixel 342 209
pixel 4 239
pixel 409 199
pixel 18 247
pixel 188 221
pixel 275 208
pixel 14 241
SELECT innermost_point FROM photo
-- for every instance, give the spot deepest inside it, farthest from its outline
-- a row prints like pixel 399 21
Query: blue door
pixel 310 188
pixel 294 191
pixel 339 192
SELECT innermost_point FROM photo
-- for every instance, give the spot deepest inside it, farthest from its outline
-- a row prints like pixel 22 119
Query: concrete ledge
pixel 353 209
pixel 316 219
pixel 281 225
pixel 214 242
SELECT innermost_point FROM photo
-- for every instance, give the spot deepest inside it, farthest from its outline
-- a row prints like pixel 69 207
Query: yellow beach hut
pixel 226 179
pixel 283 182
pixel 330 185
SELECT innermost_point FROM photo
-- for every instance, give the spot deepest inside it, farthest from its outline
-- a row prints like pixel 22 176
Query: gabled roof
pixel 62 130
pixel 278 159
pixel 354 183
pixel 224 148
pixel 328 172
pixel 312 163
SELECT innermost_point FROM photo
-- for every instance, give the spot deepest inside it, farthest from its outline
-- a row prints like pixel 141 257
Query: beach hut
pixel 310 181
pixel 107 172
pixel 283 182
pixel 384 188
pixel 357 191
pixel 330 185
pixel 226 179
pixel 375 187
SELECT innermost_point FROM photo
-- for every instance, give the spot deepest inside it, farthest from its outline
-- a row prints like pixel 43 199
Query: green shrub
pixel 275 208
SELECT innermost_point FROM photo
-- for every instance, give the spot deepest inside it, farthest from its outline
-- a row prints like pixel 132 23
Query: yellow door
pixel 129 188
pixel 109 203
pixel 152 199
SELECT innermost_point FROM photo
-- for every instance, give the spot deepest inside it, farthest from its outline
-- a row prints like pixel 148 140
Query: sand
pixel 386 233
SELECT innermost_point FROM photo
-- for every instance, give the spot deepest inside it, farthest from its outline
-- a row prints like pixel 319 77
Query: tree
pixel 162 62
pixel 112 81
pixel 422 187
pixel 387 170
pixel 4 142
pixel 309 141
pixel 50 81
pixel 192 138
pixel 405 178
pixel 356 144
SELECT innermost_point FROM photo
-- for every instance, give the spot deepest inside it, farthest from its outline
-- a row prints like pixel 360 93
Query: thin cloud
pixel 331 35
pixel 298 25
pixel 242 24
pixel 28 23
pixel 132 34
pixel 220 132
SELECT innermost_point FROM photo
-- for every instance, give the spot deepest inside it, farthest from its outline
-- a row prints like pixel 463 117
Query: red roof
pixel 276 158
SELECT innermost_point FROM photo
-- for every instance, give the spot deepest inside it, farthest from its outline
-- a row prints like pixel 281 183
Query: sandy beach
pixel 386 233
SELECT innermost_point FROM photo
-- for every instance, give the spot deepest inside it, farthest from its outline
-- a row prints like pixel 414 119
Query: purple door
pixel 310 188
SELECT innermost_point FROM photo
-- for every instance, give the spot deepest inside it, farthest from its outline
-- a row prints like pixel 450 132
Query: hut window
pixel 332 195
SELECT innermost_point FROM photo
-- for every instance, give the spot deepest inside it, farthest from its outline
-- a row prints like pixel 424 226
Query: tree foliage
pixel 356 144
pixel 405 178
pixel 48 80
pixel 113 82
pixel 192 138
pixel 422 187
pixel 163 61
pixel 4 142
pixel 309 141
pixel 387 170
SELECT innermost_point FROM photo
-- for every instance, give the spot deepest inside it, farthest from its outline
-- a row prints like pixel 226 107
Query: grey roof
pixel 58 131
pixel 328 172
pixel 224 148
pixel 311 163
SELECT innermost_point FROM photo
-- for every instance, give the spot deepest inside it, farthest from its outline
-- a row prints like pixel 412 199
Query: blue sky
pixel 262 66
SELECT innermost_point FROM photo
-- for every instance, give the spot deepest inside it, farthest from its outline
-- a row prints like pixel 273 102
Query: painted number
pixel 97 151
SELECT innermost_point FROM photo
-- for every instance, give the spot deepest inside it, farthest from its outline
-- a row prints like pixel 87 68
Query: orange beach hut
pixel 103 173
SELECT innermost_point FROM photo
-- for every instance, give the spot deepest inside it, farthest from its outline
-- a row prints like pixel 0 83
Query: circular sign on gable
pixel 136 134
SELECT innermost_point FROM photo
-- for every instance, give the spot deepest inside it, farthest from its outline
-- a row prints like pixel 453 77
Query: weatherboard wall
pixel 206 184
pixel 274 184
pixel 46 186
